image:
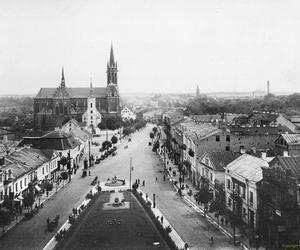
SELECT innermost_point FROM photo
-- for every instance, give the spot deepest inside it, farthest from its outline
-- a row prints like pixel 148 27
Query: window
pixel 91 111
pixel 47 170
pixel 244 212
pixel 229 202
pixel 227 137
pixel 206 173
pixel 244 192
pixel 91 105
pixel 217 138
pixel 25 182
pixel 227 148
pixel 43 170
pixel 228 184
pixel 16 187
pixel 251 196
pixel 21 184
pixel 210 176
pixel 1 195
pixel 202 171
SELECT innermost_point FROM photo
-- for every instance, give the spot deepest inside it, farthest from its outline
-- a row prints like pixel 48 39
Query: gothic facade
pixel 55 106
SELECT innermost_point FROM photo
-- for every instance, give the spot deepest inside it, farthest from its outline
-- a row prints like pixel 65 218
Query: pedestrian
pixel 146 196
pixel 212 240
pixel 186 246
pixel 155 178
pixel 164 178
pixel 48 221
pixel 222 221
pixel 162 219
pixel 89 172
pixel 143 183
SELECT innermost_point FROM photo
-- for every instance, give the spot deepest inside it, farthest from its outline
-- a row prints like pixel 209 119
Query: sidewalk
pixel 39 200
pixel 165 223
pixel 210 216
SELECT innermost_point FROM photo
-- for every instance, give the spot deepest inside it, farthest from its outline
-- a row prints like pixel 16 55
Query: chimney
pixel 285 153
pixel 263 155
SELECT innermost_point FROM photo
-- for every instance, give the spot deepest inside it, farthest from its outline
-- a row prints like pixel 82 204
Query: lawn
pixel 114 229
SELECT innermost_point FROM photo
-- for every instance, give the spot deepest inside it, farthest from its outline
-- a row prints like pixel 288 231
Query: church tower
pixel 197 92
pixel 112 69
pixel 112 93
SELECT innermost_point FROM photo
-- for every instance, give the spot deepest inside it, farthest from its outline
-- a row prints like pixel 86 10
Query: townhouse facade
pixel 242 179
pixel 280 201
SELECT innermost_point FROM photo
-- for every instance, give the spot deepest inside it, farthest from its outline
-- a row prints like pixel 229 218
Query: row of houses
pixel 252 170
pixel 36 160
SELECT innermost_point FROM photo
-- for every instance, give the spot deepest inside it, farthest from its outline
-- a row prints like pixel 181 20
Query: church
pixel 55 106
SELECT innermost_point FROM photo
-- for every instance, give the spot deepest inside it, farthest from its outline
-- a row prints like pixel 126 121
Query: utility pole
pixel 165 156
pixel 130 165
pixel 89 153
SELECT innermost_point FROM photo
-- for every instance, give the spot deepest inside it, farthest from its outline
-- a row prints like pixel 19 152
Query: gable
pixel 205 160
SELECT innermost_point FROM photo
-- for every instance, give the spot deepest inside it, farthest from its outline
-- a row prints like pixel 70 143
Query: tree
pixel 152 136
pixel 203 196
pixel 114 139
pixel 64 175
pixel 29 200
pixel 106 145
pixel 126 131
pixel 63 161
pixel 154 129
pixel 4 217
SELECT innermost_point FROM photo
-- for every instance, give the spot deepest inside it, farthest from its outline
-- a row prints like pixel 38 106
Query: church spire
pixel 112 68
pixel 62 83
pixel 111 58
pixel 197 91
pixel 91 87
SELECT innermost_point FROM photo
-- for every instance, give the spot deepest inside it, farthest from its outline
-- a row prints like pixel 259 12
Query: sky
pixel 162 46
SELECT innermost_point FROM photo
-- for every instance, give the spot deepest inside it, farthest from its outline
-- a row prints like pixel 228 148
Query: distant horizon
pixel 174 93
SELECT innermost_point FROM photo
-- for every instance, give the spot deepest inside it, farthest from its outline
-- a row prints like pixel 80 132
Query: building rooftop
pixel 291 138
pixel 291 163
pixel 57 140
pixel 220 160
pixel 248 167
pixel 73 92
pixel 25 160
pixel 258 130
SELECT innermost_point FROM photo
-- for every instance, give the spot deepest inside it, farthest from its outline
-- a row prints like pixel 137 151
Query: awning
pixel 37 188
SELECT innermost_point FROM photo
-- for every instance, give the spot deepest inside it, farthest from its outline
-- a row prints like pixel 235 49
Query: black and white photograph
pixel 149 124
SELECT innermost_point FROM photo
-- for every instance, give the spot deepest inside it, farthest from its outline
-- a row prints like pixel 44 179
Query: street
pixel 190 225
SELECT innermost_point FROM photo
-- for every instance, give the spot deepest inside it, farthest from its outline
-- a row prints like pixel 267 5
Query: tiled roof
pixel 222 159
pixel 269 117
pixel 254 130
pixel 73 92
pixel 289 162
pixel 56 140
pixel 25 160
pixel 83 135
pixel 248 167
pixel 291 138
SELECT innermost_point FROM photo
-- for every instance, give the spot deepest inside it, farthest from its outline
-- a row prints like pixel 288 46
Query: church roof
pixel 73 92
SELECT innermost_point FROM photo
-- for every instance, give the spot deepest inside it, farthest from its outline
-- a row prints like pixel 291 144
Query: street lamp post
pixel 89 153
pixel 154 201
pixel 130 169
